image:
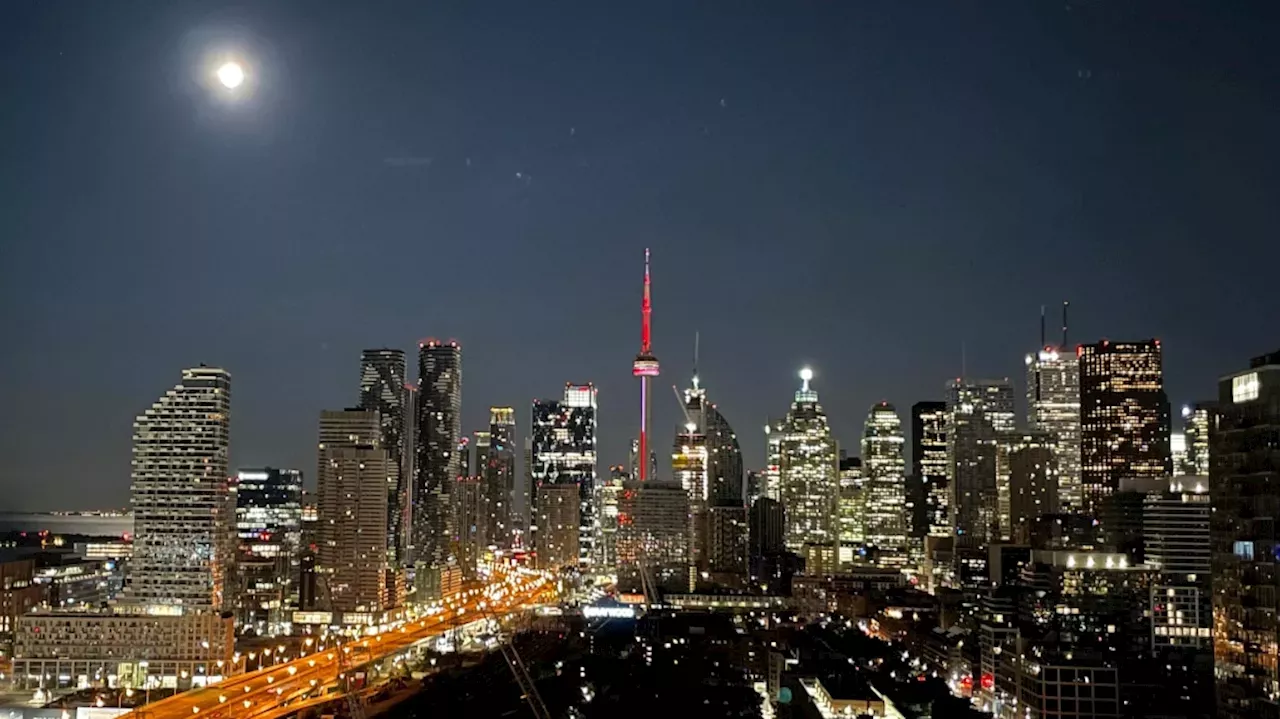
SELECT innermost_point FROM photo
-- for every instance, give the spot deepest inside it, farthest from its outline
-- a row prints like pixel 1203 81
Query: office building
pixel 885 469
pixel 930 508
pixel 353 472
pixel 439 427
pixel 269 531
pixel 182 507
pixel 1053 406
pixel 556 541
pixel 851 516
pixel 499 474
pixel 1244 481
pixel 1027 484
pixel 563 436
pixel 1178 453
pixel 382 390
pixel 1124 417
pixel 805 455
pixel 1195 423
pixel 977 412
pixel 610 491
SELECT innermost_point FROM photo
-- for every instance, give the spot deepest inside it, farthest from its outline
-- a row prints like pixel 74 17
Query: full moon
pixel 231 75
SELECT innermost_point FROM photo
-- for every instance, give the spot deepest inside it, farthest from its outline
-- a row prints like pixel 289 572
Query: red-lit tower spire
pixel 645 366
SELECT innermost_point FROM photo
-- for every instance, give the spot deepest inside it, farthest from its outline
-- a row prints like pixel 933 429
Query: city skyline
pixel 870 170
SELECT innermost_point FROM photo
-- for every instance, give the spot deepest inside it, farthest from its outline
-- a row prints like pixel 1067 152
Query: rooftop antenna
pixel 1064 324
pixel 696 337
pixel 964 361
pixel 1042 325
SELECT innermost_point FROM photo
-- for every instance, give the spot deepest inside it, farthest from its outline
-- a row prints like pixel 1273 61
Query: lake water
pixel 96 526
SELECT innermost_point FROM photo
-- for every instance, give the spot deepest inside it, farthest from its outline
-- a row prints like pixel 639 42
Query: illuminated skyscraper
pixel 269 529
pixel 439 424
pixel 1124 417
pixel 806 458
pixel 707 462
pixel 182 508
pixel 500 476
pixel 645 367
pixel 1027 483
pixel 1244 482
pixel 929 467
pixel 885 470
pixel 977 411
pixel 563 438
pixel 1053 405
pixel 382 380
pixel 1195 422
pixel 470 518
pixel 851 507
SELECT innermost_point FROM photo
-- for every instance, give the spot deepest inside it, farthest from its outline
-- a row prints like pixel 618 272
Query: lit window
pixel 1245 387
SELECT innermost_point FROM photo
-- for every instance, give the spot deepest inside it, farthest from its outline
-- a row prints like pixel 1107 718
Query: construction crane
pixel 528 689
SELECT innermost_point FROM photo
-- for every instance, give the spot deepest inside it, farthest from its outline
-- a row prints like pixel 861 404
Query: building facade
pixel 806 458
pixel 269 533
pixel 353 472
pixel 558 524
pixel 1244 482
pixel 1027 482
pixel 931 517
pixel 500 477
pixel 885 469
pixel 439 427
pixel 382 389
pixel 182 506
pixel 1053 406
pixel 563 452
pixel 1124 417
pixel 977 412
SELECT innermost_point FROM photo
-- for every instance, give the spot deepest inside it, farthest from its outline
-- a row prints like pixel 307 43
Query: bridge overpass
pixel 283 689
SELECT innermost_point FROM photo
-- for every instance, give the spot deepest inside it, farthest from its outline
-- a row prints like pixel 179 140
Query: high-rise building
pixel 1178 453
pixel 885 470
pixel 929 470
pixel 476 455
pixel 610 492
pixel 558 526
pixel 439 425
pixel 470 520
pixel 1195 423
pixel 352 475
pixel 977 411
pixel 1124 417
pixel 727 540
pixel 806 459
pixel 645 367
pixel 382 382
pixel 500 476
pixel 1053 405
pixel 182 508
pixel 269 529
pixel 1027 484
pixel 653 533
pixel 851 510
pixel 1244 481
pixel 563 436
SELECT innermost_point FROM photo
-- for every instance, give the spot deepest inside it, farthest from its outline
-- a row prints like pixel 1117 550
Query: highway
pixel 281 689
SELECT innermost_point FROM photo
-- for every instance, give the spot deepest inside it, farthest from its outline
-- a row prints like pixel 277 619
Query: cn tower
pixel 645 366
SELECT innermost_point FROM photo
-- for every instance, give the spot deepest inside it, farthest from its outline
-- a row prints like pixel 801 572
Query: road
pixel 283 688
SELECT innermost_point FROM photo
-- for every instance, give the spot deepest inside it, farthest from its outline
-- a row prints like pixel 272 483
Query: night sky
pixel 862 186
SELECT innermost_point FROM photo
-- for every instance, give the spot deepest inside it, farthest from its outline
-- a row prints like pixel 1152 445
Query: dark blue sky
pixel 863 186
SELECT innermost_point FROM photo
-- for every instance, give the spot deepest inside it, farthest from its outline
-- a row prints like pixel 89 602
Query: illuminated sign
pixel 609 612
